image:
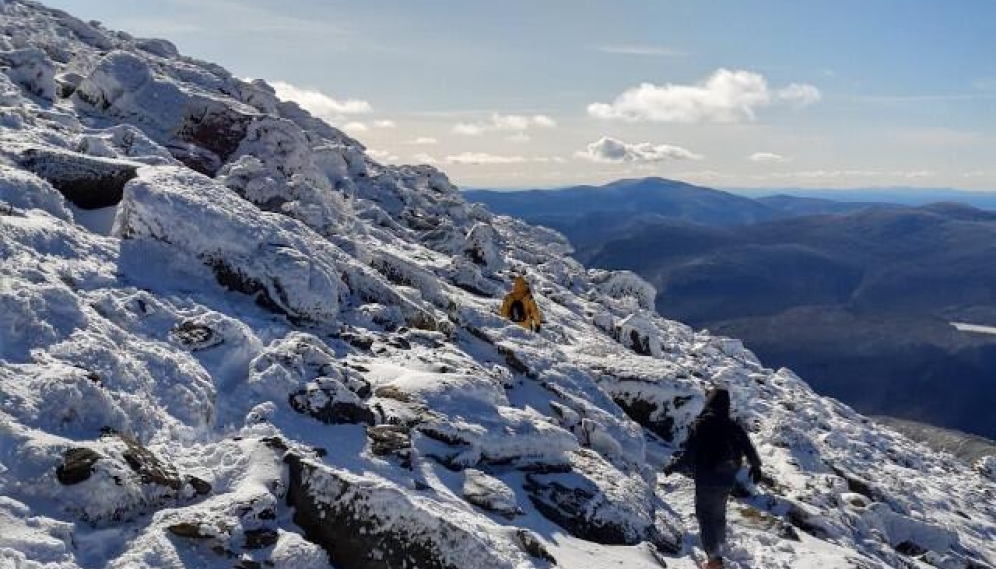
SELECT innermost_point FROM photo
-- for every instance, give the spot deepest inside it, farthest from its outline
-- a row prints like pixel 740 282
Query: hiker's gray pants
pixel 710 509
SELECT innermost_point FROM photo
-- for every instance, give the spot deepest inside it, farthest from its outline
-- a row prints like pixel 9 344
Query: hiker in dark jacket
pixel 713 455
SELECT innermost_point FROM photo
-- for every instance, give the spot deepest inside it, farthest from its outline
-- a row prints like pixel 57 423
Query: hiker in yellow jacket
pixel 519 306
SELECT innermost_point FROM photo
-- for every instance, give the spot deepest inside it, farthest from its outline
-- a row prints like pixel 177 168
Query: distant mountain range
pixel 856 296
pixel 899 195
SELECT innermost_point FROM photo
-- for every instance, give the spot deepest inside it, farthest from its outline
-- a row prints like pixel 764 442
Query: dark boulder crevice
pixel 88 182
pixel 77 465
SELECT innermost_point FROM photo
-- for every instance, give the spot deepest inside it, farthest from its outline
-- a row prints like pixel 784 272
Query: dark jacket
pixel 716 445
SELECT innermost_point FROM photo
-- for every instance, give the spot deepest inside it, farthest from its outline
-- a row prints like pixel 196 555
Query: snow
pixel 258 266
pixel 975 328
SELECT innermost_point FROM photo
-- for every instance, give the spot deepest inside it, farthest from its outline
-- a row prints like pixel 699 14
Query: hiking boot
pixel 715 563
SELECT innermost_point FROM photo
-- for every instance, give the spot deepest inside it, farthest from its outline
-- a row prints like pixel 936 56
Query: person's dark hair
pixel 717 402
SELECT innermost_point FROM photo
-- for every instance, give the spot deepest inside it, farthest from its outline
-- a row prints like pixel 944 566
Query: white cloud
pixel 611 150
pixel 423 141
pixel 800 95
pixel 423 158
pixel 383 156
pixel 853 174
pixel 519 138
pixel 725 96
pixel 504 123
pixel 320 104
pixel 468 129
pixel 384 123
pixel 645 50
pixel 767 157
pixel 355 127
pixel 543 121
pixel 483 158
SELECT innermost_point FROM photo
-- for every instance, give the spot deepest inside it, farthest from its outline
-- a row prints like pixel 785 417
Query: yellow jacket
pixel 520 292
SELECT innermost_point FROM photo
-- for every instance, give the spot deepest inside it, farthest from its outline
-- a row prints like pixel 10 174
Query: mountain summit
pixel 229 338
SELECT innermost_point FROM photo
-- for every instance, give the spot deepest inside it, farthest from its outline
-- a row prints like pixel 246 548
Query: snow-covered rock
pixel 270 291
pixel 366 523
pixel 637 333
pixel 489 493
pixel 31 69
pixel 252 253
pixel 986 466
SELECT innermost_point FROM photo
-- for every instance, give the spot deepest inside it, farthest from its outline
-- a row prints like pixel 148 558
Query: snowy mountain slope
pixel 285 354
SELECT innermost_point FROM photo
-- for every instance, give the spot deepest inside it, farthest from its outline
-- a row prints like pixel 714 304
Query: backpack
pixel 718 442
pixel 517 312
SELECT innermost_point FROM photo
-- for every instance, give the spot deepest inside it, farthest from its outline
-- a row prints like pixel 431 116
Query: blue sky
pixel 536 93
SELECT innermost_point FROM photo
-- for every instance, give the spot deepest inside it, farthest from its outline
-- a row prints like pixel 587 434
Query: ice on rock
pixel 489 493
pixel 23 190
pixel 88 182
pixel 369 523
pixel 637 333
pixel 483 246
pixel 370 408
pixel 162 48
pixel 32 69
pixel 986 466
pixel 259 254
pixel 624 286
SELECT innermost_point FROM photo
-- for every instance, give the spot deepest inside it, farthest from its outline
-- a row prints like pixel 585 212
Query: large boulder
pixel 24 190
pixel 639 334
pixel 89 182
pixel 600 502
pixel 663 406
pixel 274 258
pixel 624 286
pixel 986 467
pixel 118 478
pixel 488 492
pixel 484 246
pixel 31 69
pixel 329 401
pixel 202 130
pixel 369 523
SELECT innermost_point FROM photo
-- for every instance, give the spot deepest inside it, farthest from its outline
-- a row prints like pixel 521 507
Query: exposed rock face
pixel 329 401
pixel 663 408
pixel 489 493
pixel 116 480
pixel 204 131
pixel 365 524
pixel 77 465
pixel 87 181
pixel 195 336
pixel 600 503
pixel 389 439
pixel 638 334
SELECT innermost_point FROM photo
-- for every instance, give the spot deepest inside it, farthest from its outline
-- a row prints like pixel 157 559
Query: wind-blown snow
pixel 270 295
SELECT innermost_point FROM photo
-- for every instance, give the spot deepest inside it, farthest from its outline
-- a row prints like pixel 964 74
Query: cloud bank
pixel 504 123
pixel 611 150
pixel 768 157
pixel 320 104
pixel 725 96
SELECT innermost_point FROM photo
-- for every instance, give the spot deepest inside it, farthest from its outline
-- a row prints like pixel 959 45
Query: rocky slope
pixel 282 353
